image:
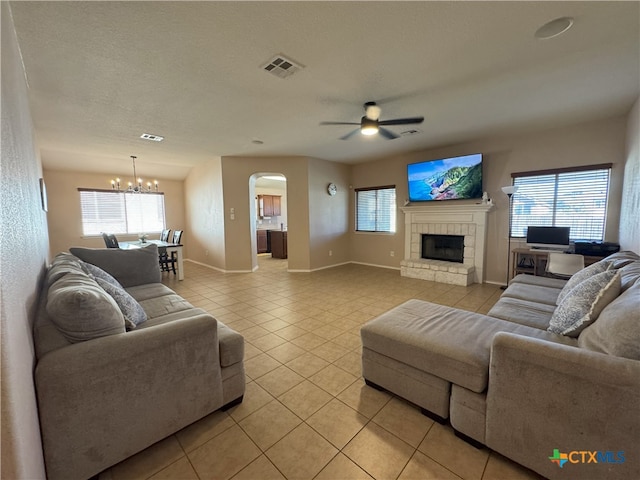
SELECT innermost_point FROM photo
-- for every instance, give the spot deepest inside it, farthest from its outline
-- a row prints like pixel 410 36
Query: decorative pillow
pixel 82 310
pixel 580 276
pixel 617 331
pixel 132 311
pixel 62 264
pixel 584 303
pixel 98 273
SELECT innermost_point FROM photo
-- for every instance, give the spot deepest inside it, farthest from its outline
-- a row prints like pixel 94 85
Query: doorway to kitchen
pixel 270 204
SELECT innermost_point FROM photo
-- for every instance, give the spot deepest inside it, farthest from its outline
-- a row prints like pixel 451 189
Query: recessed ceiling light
pixel 554 28
pixel 149 136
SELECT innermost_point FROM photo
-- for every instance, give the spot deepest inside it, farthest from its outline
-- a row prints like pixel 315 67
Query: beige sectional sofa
pixel 118 372
pixel 553 366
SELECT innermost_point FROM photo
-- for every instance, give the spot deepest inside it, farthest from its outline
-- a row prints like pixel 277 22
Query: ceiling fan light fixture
pixel 368 126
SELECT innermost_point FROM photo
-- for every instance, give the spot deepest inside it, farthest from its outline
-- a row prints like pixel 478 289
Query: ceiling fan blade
pixel 339 123
pixel 350 134
pixel 402 121
pixel 387 133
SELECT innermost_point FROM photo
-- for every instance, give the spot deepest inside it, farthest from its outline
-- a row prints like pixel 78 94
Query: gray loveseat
pixel 553 368
pixel 118 372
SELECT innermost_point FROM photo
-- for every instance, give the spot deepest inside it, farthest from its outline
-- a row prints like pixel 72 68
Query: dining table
pixel 171 247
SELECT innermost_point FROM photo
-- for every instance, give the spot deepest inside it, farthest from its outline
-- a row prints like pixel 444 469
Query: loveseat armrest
pixel 103 400
pixel 544 396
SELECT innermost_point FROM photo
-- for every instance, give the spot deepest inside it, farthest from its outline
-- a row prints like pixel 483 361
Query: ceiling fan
pixel 370 123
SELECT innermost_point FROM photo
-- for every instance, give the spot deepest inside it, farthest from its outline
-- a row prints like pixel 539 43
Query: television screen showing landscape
pixel 446 179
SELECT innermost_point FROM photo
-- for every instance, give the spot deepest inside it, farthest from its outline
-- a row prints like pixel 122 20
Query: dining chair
pixel 162 251
pixel 169 261
pixel 564 265
pixel 110 240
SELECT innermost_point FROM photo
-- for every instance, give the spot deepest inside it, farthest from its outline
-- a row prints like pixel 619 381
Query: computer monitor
pixel 548 238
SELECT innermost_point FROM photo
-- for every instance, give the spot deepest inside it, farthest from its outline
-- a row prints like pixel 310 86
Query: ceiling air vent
pixel 149 136
pixel 282 67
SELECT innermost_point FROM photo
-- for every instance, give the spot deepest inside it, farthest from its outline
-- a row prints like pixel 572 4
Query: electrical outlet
pixel 206 253
pixel 392 253
pixel 330 252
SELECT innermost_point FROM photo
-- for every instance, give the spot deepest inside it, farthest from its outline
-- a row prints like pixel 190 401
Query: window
pixel 376 209
pixel 568 197
pixel 120 212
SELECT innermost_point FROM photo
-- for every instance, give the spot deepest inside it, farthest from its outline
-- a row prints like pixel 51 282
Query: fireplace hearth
pixel 449 248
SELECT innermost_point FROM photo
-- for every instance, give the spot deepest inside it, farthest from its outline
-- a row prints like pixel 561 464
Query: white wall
pixel 630 208
pixel 205 214
pixel 24 244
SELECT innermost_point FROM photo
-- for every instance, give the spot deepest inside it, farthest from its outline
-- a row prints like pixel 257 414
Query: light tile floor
pixel 307 413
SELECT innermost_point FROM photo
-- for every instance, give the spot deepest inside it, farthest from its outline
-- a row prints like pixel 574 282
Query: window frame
pixel 393 218
pixel 128 210
pixel 557 209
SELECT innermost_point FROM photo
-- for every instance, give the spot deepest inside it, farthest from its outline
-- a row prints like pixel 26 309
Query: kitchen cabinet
pixel 262 241
pixel 269 205
pixel 278 244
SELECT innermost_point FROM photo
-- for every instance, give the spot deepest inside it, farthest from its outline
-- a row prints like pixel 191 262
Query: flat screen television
pixel 455 178
pixel 548 238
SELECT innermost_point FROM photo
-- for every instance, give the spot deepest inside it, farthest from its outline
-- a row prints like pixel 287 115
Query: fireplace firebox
pixel 443 247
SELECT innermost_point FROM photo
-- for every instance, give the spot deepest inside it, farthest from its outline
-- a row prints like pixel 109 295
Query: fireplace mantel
pixel 469 220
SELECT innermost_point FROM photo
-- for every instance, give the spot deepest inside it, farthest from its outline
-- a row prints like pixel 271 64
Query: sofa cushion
pixel 132 311
pixel 582 305
pixel 617 331
pixel 524 312
pixel 130 267
pixel 533 293
pixel 630 275
pixel 82 310
pixel 622 258
pixel 538 280
pixel 587 272
pixel 149 290
pixel 164 305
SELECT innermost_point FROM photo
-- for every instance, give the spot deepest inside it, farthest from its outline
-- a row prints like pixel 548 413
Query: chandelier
pixel 138 187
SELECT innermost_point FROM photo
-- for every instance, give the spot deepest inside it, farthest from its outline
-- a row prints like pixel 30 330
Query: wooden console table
pixel 534 262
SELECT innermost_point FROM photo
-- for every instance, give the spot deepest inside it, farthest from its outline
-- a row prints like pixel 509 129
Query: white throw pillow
pixel 578 277
pixel 582 305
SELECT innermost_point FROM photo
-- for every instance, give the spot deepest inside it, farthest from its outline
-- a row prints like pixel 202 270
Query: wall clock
pixel 332 189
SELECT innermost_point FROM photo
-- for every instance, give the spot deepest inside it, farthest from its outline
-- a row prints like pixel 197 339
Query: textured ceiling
pixel 102 73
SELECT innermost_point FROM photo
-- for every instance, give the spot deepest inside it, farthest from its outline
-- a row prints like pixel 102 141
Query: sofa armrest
pixel 544 396
pixel 103 400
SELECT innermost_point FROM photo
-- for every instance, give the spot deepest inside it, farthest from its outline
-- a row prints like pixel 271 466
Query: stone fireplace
pixel 444 221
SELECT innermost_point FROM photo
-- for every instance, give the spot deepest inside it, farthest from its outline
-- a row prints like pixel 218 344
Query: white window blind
pixel 562 198
pixel 376 209
pixel 119 212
